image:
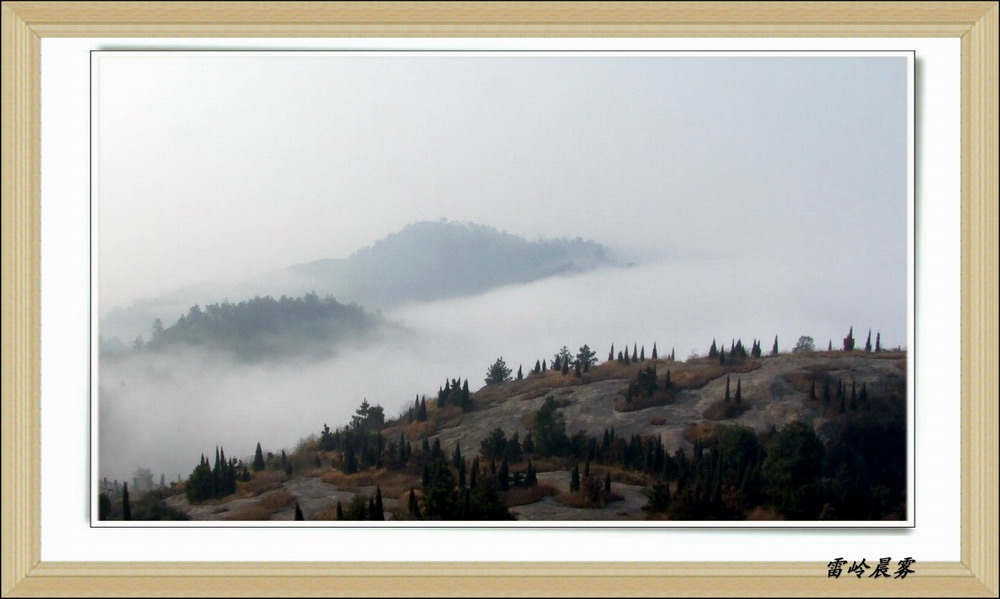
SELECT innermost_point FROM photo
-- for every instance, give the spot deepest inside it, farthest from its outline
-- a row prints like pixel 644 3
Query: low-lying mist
pixel 163 410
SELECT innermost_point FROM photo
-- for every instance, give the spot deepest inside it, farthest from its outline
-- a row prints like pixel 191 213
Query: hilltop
pixel 428 260
pixel 808 435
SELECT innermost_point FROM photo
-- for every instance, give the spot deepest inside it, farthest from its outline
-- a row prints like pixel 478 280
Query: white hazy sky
pixel 221 166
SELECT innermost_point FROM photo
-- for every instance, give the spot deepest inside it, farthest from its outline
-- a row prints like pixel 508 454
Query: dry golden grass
pixel 764 513
pixel 328 512
pixel 803 380
pixel 527 495
pixel 277 501
pixel 391 481
pixel 251 512
pixel 260 482
pixel 705 432
pixel 660 397
pixel 724 410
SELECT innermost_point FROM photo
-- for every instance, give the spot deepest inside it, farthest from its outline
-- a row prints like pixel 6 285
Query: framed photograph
pixel 564 293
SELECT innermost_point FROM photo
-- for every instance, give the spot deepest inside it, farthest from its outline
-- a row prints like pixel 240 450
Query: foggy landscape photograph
pixel 580 288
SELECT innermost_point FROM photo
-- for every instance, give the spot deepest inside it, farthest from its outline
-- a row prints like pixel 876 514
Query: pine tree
pixel 774 348
pixel 713 352
pixel 503 476
pixel 849 340
pixel 412 504
pixel 565 367
pixel 350 460
pixel 635 354
pixel 642 354
pixel 574 481
pixel 456 456
pixel 379 512
pixel 474 473
pixel 258 459
pixel 126 507
pixel 722 356
pixel 538 368
pixel 298 512
pixel 576 371
pixel 543 365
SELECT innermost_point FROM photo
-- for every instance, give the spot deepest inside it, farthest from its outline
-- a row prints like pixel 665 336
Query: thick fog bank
pixel 164 410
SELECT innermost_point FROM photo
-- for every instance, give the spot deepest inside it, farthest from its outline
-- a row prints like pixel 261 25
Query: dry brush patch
pixel 725 410
pixel 703 432
pixel 277 500
pixel 260 482
pixel 527 495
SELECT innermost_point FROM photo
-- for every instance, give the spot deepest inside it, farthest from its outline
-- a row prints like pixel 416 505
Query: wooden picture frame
pixel 25 23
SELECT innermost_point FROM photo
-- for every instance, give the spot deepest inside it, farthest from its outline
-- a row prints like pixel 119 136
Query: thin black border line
pixel 911 502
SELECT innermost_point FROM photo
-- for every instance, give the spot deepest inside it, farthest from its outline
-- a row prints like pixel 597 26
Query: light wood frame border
pixel 25 23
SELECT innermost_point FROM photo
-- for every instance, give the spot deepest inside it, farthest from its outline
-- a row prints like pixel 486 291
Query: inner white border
pixel 65 530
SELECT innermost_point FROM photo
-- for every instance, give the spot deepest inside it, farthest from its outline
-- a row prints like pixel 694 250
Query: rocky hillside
pixel 794 436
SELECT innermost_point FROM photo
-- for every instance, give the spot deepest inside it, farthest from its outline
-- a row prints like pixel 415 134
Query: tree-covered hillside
pixel 432 260
pixel 265 328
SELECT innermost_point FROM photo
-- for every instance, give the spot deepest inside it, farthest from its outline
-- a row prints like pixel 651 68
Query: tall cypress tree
pixel 878 341
pixel 574 481
pixel 258 459
pixel 126 506
pixel 298 512
pixel 503 476
pixel 739 393
pixel 654 356
pixel 520 374
pixel 379 512
pixel 868 342
pixel 727 390
pixel 611 354
pixel 774 348
pixel 340 511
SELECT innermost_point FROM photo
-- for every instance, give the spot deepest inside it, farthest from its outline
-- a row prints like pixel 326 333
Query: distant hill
pixel 263 328
pixel 434 260
pixel 424 261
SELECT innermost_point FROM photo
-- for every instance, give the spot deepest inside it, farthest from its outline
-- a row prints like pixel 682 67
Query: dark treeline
pixel 263 327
